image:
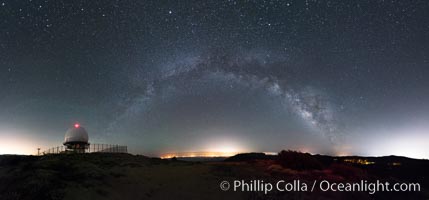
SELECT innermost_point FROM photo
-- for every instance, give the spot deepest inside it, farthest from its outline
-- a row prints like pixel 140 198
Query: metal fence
pixel 104 148
pixel 107 148
pixel 54 150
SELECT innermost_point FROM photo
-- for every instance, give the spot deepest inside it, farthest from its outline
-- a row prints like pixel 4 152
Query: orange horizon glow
pixel 198 154
pixel 18 146
pixel 20 142
pixel 205 154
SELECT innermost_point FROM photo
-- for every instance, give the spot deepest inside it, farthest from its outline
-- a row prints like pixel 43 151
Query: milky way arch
pixel 251 70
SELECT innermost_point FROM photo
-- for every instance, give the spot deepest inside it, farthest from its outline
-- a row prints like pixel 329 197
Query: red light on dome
pixel 76 125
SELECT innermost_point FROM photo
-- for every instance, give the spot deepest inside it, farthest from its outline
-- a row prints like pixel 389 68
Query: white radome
pixel 76 134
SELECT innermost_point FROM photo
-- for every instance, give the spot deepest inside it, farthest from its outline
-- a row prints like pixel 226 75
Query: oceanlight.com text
pixel 317 185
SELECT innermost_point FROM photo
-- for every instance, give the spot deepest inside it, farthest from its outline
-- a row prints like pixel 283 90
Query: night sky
pixel 332 77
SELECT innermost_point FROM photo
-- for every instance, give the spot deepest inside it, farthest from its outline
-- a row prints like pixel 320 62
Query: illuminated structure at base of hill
pixel 76 141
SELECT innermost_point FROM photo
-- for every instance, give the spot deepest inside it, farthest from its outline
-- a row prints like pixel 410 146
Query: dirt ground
pixel 125 176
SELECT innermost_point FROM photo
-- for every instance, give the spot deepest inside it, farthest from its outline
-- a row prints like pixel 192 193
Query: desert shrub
pixel 247 157
pixel 298 161
pixel 347 171
pixel 10 160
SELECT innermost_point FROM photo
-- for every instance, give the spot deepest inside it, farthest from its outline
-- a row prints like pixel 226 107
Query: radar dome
pixel 76 134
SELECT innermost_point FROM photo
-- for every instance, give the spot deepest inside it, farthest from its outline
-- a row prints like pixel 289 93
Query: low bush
pixel 298 161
